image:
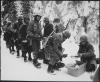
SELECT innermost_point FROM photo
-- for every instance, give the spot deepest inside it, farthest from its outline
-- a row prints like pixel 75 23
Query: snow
pixel 13 68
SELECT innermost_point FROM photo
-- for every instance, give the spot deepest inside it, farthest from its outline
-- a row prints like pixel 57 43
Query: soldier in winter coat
pixel 25 47
pixel 86 53
pixel 53 51
pixel 8 37
pixel 16 27
pixel 4 26
pixel 48 27
pixel 34 34
pixel 58 26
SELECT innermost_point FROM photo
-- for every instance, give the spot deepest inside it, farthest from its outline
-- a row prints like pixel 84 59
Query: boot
pixel 18 54
pixel 29 56
pixel 30 59
pixel 46 61
pixel 56 67
pixel 36 63
pixel 25 59
pixel 60 65
pixel 22 54
pixel 50 69
pixel 13 49
pixel 10 50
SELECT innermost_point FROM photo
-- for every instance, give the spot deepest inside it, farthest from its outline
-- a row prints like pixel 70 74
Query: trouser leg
pixel 29 56
pixel 24 54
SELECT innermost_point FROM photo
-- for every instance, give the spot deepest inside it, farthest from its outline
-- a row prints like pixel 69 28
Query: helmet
pixel 20 18
pixel 56 20
pixel 83 38
pixel 26 18
pixel 66 34
pixel 35 16
pixel 46 19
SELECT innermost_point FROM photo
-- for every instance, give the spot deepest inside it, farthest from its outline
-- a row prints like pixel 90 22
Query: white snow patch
pixel 13 68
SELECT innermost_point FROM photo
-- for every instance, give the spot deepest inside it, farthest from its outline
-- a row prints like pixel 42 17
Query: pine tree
pixel 9 10
pixel 25 8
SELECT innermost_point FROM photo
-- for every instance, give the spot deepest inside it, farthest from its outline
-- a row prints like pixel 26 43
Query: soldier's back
pixel 58 37
pixel 59 28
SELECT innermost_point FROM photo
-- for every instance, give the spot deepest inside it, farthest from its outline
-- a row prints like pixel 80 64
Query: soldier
pixel 34 35
pixel 24 42
pixel 86 53
pixel 16 27
pixel 58 26
pixel 53 53
pixel 8 37
pixel 48 28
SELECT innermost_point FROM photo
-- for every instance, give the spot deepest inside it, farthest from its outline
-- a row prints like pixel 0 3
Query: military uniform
pixel 48 28
pixel 59 28
pixel 86 52
pixel 8 37
pixel 17 41
pixel 16 27
pixel 23 31
pixel 34 34
pixel 53 49
pixel 4 25
pixel 25 47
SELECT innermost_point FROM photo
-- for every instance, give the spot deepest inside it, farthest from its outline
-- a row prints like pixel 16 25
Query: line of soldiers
pixel 26 36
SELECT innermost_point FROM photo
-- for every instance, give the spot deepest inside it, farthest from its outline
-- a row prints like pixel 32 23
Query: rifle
pixel 75 56
pixel 68 23
pixel 44 45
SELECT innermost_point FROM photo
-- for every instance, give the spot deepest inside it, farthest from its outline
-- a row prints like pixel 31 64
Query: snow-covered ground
pixel 13 68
